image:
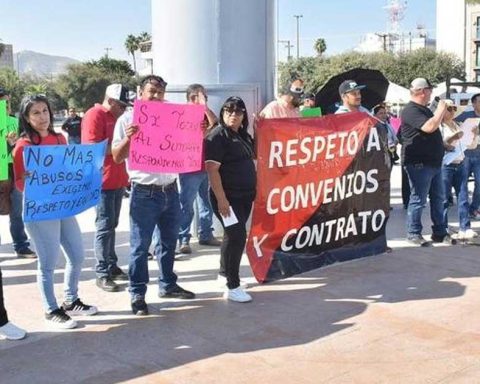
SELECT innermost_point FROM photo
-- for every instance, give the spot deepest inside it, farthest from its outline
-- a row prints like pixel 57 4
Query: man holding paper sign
pixel 153 202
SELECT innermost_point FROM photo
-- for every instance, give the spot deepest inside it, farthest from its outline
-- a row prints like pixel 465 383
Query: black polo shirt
pixel 234 152
pixel 419 147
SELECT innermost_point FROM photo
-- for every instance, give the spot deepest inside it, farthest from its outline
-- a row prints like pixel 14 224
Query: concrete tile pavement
pixel 410 316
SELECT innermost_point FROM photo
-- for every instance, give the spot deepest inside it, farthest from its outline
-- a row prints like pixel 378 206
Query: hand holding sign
pixel 169 139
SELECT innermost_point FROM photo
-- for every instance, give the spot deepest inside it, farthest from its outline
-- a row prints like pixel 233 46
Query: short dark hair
pixel 4 92
pixel 474 97
pixel 194 88
pixel 378 107
pixel 152 79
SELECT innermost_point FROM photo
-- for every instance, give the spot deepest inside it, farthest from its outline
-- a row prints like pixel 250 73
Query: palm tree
pixel 132 44
pixel 320 46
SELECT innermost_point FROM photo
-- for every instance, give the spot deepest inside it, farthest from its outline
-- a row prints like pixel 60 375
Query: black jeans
pixel 3 312
pixel 234 239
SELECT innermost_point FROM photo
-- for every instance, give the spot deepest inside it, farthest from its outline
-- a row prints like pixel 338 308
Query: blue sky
pixel 82 29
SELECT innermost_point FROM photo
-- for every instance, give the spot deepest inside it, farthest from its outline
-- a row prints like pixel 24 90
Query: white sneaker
pixel 238 295
pixel 467 234
pixel 11 332
pixel 222 282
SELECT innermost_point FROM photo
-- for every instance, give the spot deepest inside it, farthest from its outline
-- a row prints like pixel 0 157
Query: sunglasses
pixel 452 109
pixel 234 110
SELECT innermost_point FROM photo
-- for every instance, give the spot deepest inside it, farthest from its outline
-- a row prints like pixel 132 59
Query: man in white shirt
pixel 154 202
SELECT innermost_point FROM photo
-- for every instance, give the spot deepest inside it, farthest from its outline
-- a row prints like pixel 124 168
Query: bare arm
pixel 217 187
pixel 121 151
pixel 433 123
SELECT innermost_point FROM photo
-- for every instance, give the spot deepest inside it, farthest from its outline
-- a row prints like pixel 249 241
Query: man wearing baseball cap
pixel 97 125
pixel 350 93
pixel 422 155
pixel 287 104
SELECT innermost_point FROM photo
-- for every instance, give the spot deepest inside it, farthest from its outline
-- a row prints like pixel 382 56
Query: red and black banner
pixel 323 187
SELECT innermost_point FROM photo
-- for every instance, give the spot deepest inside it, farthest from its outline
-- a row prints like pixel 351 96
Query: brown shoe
pixel 213 242
pixel 185 249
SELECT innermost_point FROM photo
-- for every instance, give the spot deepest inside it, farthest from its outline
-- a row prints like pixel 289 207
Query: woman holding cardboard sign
pixel 36 123
pixel 229 153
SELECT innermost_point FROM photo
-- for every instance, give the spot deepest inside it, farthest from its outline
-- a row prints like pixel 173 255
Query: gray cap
pixel 420 83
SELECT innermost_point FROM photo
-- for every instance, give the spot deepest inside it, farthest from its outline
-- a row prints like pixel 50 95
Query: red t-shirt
pixel 19 166
pixel 97 125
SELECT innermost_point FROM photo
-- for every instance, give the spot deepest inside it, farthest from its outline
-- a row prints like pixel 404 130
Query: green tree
pixel 320 46
pixel 84 84
pixel 132 44
pixel 14 85
pixel 398 68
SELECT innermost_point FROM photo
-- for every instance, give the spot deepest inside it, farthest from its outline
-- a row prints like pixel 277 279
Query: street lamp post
pixel 106 51
pixel 298 34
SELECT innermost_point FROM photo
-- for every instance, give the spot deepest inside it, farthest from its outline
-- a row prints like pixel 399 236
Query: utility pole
pixel 288 46
pixel 298 34
pixel 106 51
pixel 384 38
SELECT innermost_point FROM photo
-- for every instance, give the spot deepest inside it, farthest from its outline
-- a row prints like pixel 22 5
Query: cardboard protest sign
pixel 323 189
pixel 170 138
pixel 3 141
pixel 62 180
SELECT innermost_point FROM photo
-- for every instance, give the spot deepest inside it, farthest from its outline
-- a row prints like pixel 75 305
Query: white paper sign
pixel 469 139
pixel 230 220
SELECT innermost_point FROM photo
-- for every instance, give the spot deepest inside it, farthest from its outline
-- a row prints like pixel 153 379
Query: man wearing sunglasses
pixel 287 104
pixel 472 157
pixel 97 125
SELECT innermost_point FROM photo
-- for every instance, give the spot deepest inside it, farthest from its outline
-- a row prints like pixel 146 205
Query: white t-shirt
pixel 136 176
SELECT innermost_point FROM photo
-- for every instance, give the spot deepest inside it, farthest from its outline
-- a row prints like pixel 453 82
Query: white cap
pixel 420 83
pixel 118 92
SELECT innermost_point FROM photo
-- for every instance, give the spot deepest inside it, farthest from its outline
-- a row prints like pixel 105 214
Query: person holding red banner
pixel 229 154
pixel 36 125
pixel 287 104
pixel 154 202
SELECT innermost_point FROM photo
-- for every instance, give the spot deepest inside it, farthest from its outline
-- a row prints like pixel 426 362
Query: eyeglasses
pixel 452 109
pixel 233 110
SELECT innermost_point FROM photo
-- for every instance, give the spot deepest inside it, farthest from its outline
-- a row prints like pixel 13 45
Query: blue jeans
pixel 17 228
pixel 455 175
pixel 190 185
pixel 472 165
pixel 150 206
pixel 48 236
pixel 108 213
pixel 425 180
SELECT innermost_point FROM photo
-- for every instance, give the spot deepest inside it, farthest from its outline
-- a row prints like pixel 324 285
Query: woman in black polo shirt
pixel 231 171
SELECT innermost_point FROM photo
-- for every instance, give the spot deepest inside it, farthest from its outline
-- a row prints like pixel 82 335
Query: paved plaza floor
pixel 410 316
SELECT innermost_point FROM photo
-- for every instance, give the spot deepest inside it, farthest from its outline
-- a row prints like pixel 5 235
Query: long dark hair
pixel 238 103
pixel 24 126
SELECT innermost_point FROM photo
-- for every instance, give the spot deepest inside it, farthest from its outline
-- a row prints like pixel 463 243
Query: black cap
pixel 309 95
pixel 348 86
pixel 3 92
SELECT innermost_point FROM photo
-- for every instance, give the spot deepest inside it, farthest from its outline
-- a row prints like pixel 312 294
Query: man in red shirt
pixel 97 125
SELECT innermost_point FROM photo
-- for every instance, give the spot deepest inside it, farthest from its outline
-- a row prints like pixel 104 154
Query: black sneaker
pixel 445 239
pixel 26 253
pixel 107 284
pixel 418 240
pixel 117 274
pixel 59 319
pixel 77 308
pixel 177 293
pixel 139 307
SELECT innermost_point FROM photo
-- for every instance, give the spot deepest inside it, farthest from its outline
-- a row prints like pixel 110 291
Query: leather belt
pixel 157 188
